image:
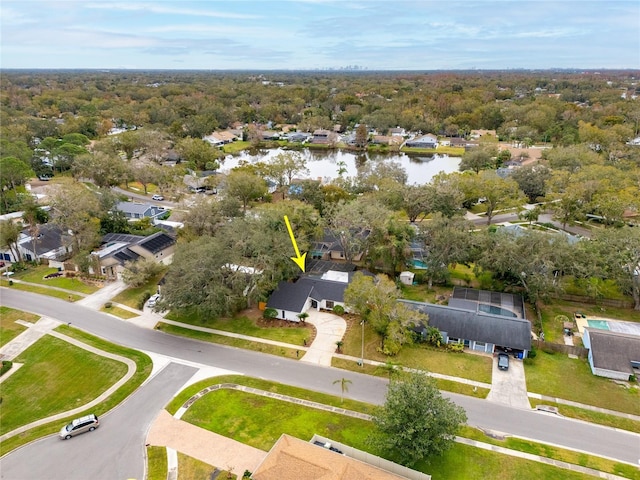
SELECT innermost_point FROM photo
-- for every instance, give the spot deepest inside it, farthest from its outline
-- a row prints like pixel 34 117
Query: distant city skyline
pixel 321 34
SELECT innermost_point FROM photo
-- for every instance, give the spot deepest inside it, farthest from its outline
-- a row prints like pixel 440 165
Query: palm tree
pixel 303 316
pixel 344 386
pixel 339 344
pixel 390 368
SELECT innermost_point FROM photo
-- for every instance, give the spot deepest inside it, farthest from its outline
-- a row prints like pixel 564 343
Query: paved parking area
pixel 509 387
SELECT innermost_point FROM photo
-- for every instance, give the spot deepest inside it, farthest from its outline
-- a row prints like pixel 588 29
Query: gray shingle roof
pixel 290 296
pixel 325 289
pixel 614 351
pixel 49 238
pixel 478 326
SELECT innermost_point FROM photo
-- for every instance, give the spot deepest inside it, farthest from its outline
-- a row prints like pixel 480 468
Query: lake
pixel 324 164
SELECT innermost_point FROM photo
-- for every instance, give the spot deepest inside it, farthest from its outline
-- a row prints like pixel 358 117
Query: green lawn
pixel 559 376
pixel 143 370
pixel 269 386
pixel 36 275
pixel 605 419
pixel 156 463
pixel 236 147
pixel 259 421
pixel 466 462
pixel 553 308
pixel 464 365
pixel 287 332
pixel 453 151
pixel 230 341
pixel 190 468
pixel 448 385
pixel 119 312
pixel 41 290
pixel 56 376
pixel 132 297
pixel 569 456
pixel 9 329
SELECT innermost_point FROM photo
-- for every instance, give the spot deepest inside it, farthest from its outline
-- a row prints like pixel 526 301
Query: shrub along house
pixel 480 320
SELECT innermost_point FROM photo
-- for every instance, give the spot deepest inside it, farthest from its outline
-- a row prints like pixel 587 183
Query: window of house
pixel 329 304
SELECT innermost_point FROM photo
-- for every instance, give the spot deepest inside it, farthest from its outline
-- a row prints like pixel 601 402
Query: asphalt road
pixel 114 451
pixel 537 426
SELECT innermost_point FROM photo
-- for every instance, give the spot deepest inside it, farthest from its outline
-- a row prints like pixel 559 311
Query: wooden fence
pixel 606 302
pixel 580 352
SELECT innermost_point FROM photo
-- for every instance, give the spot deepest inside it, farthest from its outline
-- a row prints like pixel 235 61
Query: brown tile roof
pixel 294 459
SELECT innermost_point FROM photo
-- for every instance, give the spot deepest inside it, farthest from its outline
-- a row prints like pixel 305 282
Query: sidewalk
pixel 320 351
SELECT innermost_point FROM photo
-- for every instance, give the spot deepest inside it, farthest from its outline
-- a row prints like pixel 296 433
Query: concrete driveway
pixel 509 387
pixel 329 329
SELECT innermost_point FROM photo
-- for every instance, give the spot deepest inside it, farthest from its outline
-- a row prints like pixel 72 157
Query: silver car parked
pixel 88 423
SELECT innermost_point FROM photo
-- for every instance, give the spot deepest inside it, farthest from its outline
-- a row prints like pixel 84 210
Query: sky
pixel 320 34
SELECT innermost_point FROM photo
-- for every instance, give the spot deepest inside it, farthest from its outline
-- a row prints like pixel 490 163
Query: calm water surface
pixel 325 164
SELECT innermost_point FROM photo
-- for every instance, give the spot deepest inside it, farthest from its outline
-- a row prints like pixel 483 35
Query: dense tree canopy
pixel 415 423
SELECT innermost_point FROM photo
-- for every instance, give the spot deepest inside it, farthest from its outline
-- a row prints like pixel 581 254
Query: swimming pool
pixel 600 324
pixel 495 310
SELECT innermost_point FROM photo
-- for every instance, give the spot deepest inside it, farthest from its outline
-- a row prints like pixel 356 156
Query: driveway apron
pixel 330 328
pixel 508 387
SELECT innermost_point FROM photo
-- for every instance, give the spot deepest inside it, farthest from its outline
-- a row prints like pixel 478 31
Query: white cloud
pixel 169 10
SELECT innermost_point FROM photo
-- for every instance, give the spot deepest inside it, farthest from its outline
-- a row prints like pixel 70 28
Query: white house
pixel 612 354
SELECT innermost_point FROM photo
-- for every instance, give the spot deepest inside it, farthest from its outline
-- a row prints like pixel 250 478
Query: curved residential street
pixel 538 426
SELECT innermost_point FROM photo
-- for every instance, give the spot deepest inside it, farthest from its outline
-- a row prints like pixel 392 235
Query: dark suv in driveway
pixel 503 361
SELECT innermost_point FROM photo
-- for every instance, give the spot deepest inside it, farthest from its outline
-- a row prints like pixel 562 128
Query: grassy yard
pixel 143 370
pixel 230 341
pixel 607 420
pixel 9 329
pixel 281 331
pixel 465 365
pixel 190 468
pixel 259 422
pixel 236 147
pixel 559 376
pixel 41 290
pixel 268 386
pixel 453 151
pixel 569 456
pixel 381 371
pixel 156 463
pixel 36 275
pixel 119 312
pixel 133 297
pixel 553 327
pixel 48 382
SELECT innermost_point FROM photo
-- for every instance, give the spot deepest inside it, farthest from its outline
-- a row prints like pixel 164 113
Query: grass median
pixel 48 384
pixel 9 329
pixel 259 421
pixel 143 370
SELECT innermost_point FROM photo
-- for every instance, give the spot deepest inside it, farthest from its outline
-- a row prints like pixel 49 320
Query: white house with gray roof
pixel 481 320
pixel 138 211
pixel 612 354
pixel 319 293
